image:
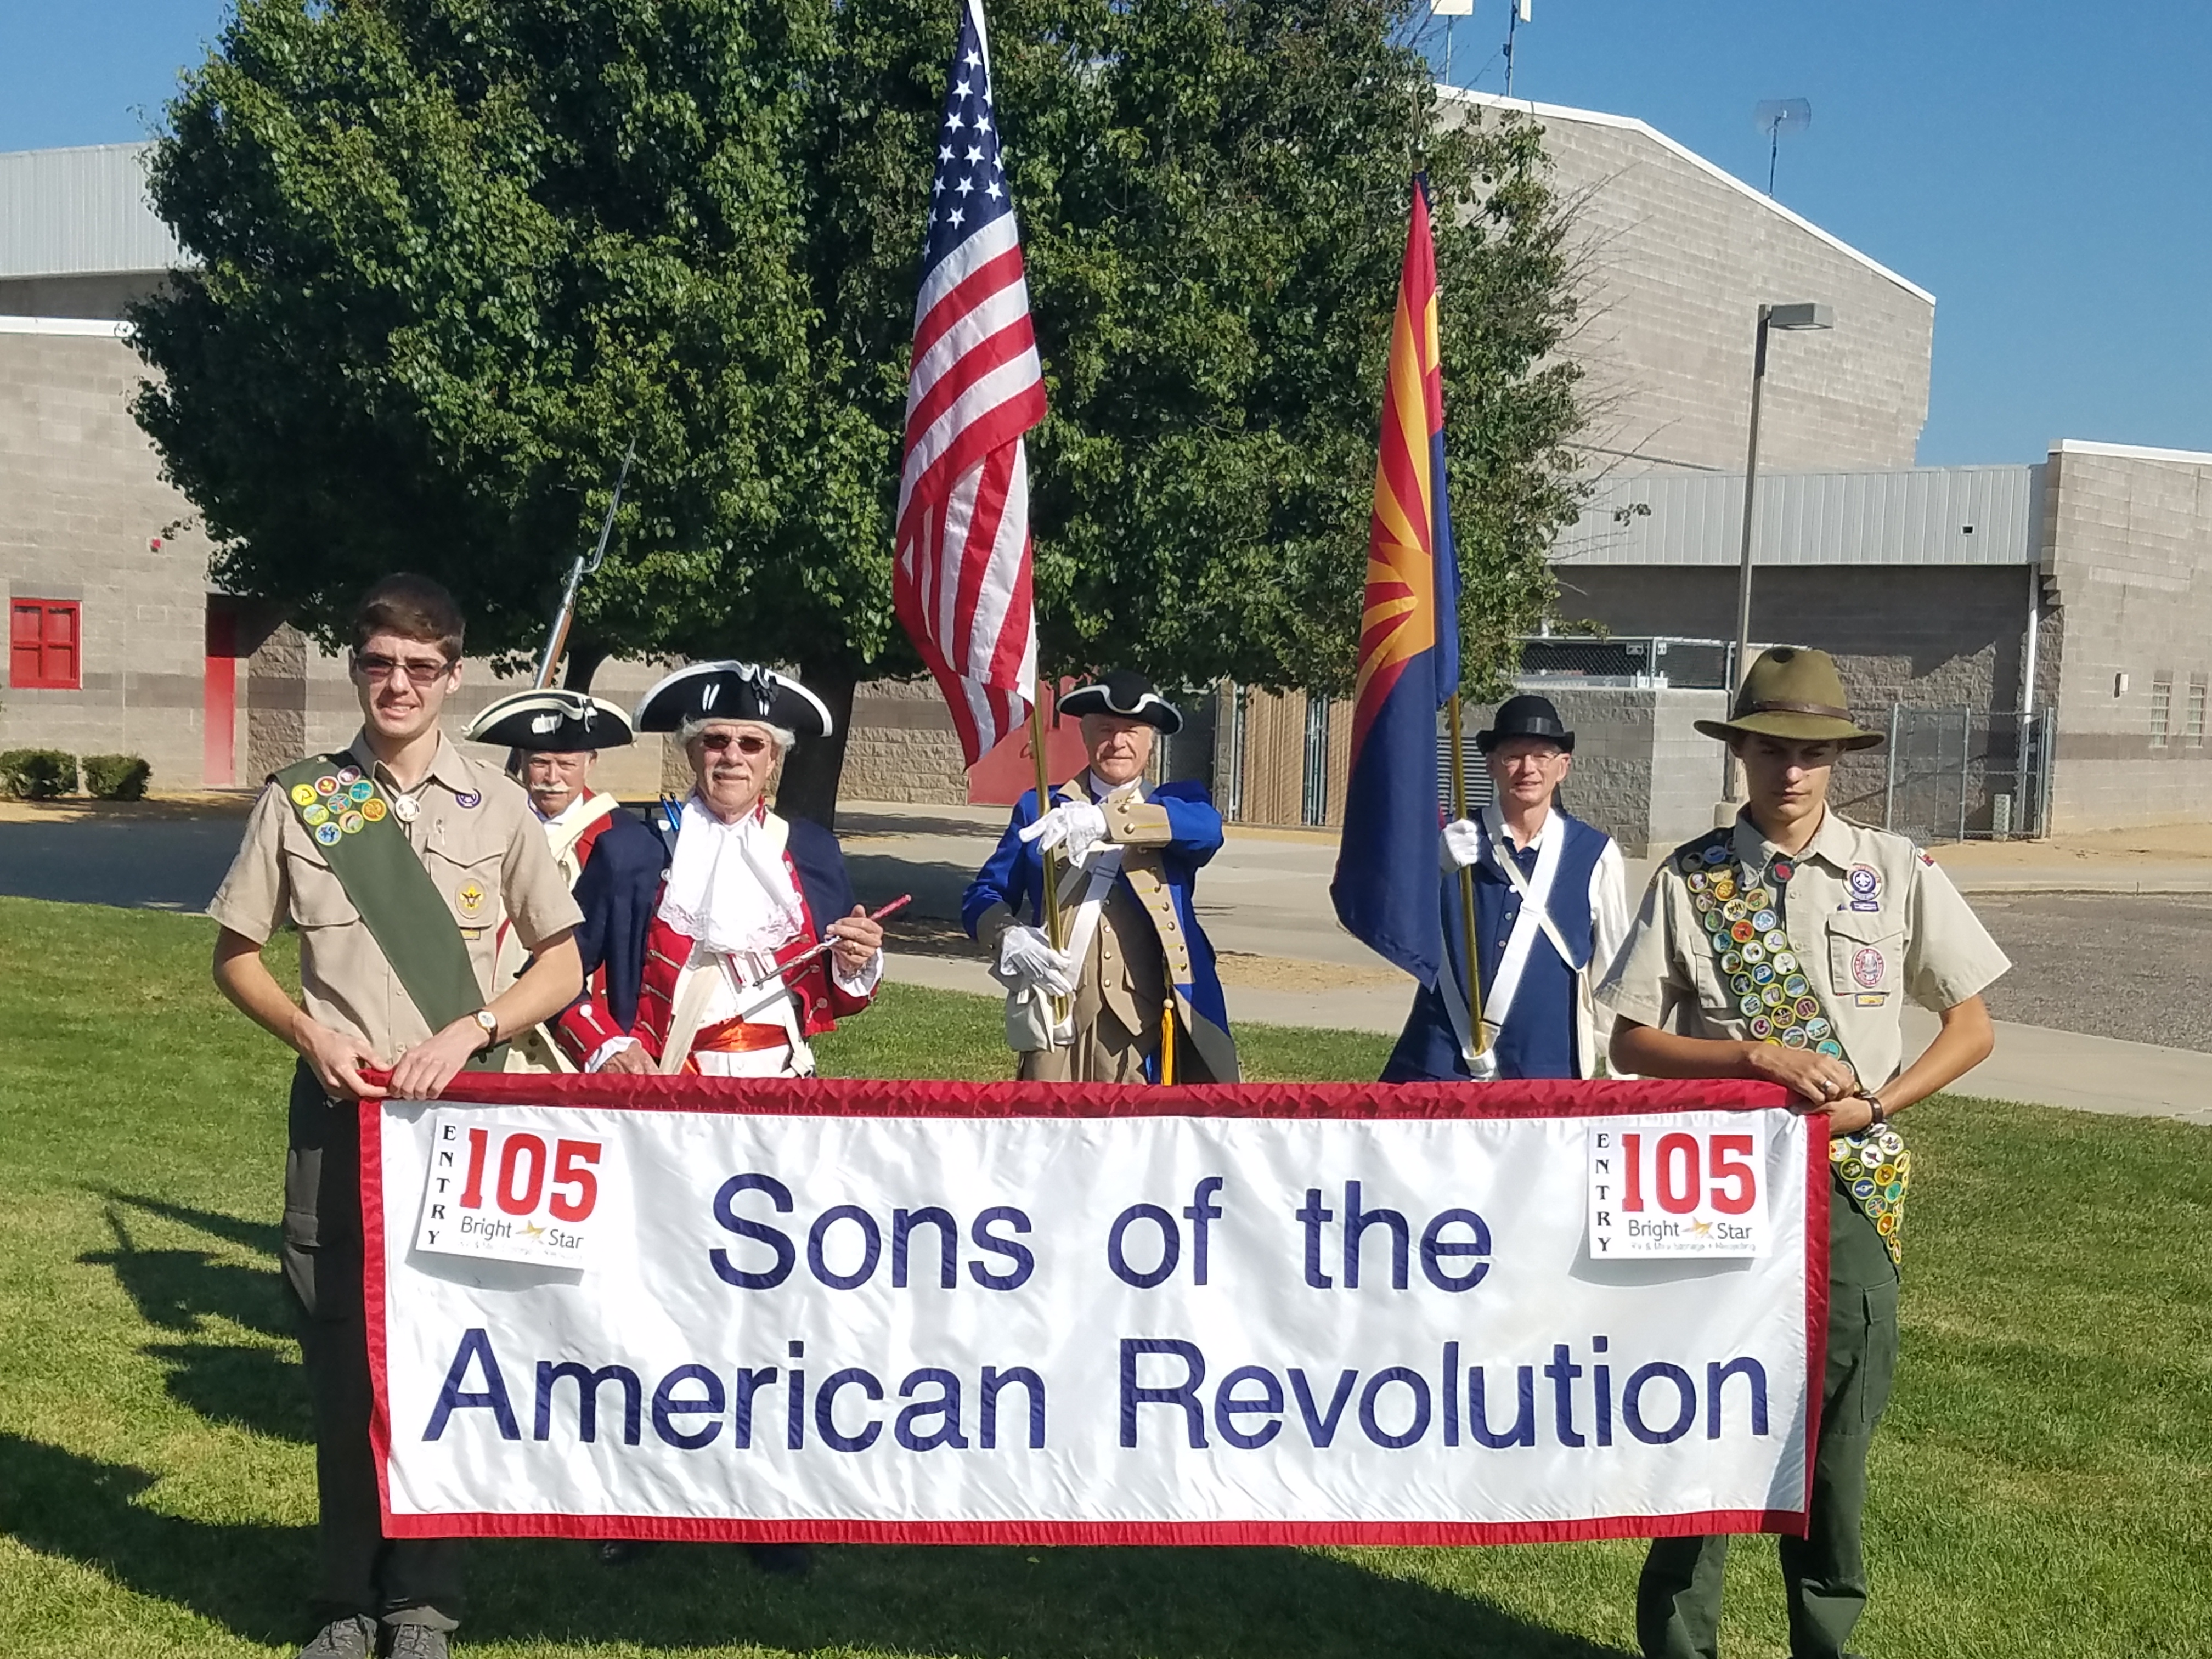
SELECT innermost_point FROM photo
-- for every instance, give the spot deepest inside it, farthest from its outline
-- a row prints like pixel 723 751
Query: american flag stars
pixel 970 170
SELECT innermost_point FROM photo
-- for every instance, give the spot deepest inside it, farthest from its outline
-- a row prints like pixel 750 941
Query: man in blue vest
pixel 1551 910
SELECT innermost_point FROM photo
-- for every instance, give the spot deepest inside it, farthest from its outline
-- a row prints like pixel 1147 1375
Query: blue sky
pixel 2044 168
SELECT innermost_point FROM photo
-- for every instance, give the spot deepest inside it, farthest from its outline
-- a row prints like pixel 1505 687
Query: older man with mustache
pixel 733 984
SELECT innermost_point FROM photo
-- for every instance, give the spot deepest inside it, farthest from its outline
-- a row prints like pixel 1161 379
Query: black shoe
pixel 415 1641
pixel 621 1552
pixel 353 1638
pixel 786 1560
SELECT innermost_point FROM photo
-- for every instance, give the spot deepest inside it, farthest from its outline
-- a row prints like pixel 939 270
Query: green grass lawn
pixel 2042 1486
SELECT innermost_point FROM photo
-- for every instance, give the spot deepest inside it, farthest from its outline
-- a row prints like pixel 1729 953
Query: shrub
pixel 116 777
pixel 37 774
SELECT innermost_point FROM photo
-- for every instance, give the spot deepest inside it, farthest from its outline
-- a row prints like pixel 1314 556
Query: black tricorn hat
pixel 734 691
pixel 1125 692
pixel 1526 716
pixel 550 722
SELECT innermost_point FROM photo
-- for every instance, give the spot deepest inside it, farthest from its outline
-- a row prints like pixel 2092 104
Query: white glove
pixel 1026 958
pixel 1078 824
pixel 1462 843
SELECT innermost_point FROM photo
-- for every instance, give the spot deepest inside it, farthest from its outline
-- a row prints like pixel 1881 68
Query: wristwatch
pixel 487 1022
pixel 1880 1117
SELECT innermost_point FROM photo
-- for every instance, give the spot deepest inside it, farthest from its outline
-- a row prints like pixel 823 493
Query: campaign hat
pixel 1124 692
pixel 1794 693
pixel 550 722
pixel 732 690
pixel 1526 716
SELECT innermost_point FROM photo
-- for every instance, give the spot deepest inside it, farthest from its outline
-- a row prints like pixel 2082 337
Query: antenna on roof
pixel 1516 13
pixel 1775 116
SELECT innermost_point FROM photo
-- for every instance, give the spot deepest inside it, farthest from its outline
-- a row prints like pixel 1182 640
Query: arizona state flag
pixel 1385 888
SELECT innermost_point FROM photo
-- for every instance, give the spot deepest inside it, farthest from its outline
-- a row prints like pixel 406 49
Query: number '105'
pixel 520 1183
pixel 1677 1177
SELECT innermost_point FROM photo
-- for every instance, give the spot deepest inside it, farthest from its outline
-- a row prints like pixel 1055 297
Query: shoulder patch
pixel 1690 856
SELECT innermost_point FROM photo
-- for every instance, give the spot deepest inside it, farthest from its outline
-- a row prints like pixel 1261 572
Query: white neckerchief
pixel 1535 894
pixel 566 827
pixel 728 888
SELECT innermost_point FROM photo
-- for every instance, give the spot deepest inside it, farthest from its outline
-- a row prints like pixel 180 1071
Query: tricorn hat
pixel 550 722
pixel 1797 693
pixel 1125 692
pixel 734 691
pixel 1526 716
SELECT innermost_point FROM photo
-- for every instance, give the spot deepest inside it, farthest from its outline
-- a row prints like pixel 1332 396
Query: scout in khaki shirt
pixel 1783 950
pixel 395 972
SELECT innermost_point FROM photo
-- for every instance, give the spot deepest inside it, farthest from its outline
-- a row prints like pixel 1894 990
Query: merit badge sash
pixel 1743 916
pixel 352 821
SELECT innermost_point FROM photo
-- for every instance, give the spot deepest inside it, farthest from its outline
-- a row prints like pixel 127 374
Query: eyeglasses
pixel 746 743
pixel 383 668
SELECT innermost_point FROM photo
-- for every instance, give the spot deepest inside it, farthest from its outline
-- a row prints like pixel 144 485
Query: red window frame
pixel 46 645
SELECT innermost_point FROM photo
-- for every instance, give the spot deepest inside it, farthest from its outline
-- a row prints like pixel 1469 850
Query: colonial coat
pixel 1148 937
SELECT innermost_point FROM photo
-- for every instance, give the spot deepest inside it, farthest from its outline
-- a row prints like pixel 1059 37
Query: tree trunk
pixel 584 657
pixel 811 775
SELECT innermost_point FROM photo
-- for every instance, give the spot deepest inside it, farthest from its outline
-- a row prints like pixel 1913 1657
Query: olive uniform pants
pixel 1678 1601
pixel 400 1580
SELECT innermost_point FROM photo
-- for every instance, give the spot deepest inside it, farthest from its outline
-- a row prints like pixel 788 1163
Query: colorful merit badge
pixel 349 823
pixel 1781 1009
pixel 469 899
pixel 314 815
pixel 327 834
pixel 303 794
pixel 372 809
pixel 326 785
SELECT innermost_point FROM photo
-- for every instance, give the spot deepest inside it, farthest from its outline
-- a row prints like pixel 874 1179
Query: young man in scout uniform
pixel 396 859
pixel 1783 950
pixel 1551 907
pixel 612 862
pixel 1130 858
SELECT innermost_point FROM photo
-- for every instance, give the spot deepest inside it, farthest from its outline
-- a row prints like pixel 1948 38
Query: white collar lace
pixel 728 888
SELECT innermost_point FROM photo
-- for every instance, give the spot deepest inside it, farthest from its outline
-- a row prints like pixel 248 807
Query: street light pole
pixel 1793 318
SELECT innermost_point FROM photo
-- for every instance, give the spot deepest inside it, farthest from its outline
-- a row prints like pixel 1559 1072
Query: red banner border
pixel 934 1098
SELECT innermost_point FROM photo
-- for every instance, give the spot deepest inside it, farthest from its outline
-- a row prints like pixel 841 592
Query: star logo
pixel 1701 1229
pixel 531 1229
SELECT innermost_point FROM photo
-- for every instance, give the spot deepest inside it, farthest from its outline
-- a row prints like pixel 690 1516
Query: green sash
pixel 1743 915
pixel 351 820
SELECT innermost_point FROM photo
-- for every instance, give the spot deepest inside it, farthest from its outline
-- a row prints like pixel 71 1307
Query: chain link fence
pixel 1962 774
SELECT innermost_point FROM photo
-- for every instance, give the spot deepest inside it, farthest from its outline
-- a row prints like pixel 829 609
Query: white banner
pixel 937 1312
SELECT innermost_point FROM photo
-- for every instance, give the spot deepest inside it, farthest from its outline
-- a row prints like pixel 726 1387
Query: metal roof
pixel 1630 123
pixel 80 212
pixel 1955 515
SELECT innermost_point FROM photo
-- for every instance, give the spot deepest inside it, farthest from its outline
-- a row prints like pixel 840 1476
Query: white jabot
pixel 728 888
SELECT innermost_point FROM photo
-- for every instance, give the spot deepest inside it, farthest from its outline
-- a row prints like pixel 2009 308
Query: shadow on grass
pixel 252 1388
pixel 254 1579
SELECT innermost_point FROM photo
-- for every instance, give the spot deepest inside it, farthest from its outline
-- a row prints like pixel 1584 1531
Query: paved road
pixel 2121 965
pixel 2133 967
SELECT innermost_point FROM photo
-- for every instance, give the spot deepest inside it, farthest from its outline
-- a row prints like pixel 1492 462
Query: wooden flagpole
pixel 1048 901
pixel 1475 1030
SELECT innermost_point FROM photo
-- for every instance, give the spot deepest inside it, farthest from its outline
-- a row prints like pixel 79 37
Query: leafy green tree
pixel 454 254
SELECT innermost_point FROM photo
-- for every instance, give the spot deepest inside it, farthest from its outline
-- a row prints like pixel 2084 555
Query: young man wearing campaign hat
pixel 1782 949
pixel 1551 908
pixel 1132 957
pixel 612 862
pixel 733 984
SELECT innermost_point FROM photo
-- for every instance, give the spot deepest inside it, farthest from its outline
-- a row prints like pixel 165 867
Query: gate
pixel 1961 774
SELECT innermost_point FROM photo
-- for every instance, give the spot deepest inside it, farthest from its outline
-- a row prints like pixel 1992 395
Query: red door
pixel 219 697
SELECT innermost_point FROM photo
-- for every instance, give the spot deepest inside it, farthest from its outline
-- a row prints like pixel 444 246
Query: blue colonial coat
pixel 1014 876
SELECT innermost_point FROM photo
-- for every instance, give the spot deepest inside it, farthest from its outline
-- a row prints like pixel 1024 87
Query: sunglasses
pixel 746 743
pixel 379 667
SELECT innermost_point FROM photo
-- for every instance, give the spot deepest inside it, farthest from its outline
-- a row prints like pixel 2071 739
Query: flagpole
pixel 1047 901
pixel 1477 1034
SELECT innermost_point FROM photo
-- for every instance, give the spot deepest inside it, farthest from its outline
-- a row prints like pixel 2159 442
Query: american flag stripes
pixel 961 579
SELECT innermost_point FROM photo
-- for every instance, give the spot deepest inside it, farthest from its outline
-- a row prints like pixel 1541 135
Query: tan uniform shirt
pixel 486 856
pixel 1872 921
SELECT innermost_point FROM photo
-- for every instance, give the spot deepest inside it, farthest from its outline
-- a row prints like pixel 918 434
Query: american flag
pixel 961 581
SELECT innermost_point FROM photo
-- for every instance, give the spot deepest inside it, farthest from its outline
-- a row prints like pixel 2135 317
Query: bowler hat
pixel 1526 716
pixel 1794 693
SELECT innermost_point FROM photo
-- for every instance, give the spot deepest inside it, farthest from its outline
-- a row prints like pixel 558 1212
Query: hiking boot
pixel 415 1641
pixel 353 1638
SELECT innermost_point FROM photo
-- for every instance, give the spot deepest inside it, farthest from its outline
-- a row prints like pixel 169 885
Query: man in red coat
pixel 733 982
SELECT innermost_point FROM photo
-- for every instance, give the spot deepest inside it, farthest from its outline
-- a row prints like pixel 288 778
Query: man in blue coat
pixel 1551 911
pixel 1097 1009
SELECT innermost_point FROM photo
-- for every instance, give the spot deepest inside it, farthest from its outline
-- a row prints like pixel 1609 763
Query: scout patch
pixel 327 834
pixel 372 809
pixel 349 823
pixel 314 816
pixel 1874 1164
pixel 326 785
pixel 303 794
pixel 472 799
pixel 469 899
